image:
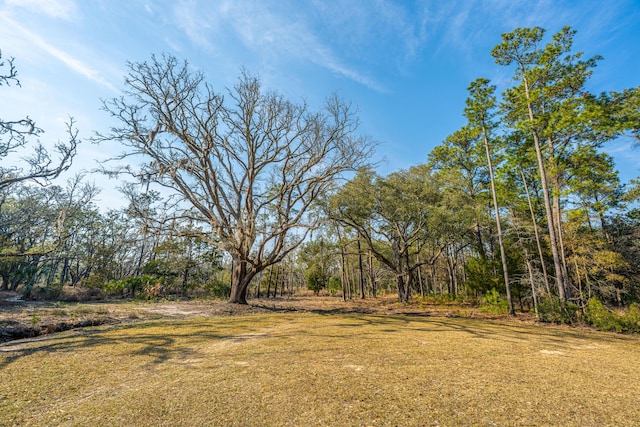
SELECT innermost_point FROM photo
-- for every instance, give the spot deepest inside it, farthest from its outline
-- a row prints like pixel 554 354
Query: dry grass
pixel 338 369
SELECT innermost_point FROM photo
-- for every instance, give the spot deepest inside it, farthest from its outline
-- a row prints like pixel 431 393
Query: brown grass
pixel 322 368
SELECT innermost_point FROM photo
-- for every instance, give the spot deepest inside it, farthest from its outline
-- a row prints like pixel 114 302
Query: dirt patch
pixel 27 319
pixel 16 332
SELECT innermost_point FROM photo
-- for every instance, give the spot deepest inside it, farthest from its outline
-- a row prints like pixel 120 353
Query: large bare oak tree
pixel 248 165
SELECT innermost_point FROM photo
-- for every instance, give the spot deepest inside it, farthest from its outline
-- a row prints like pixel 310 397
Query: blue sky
pixel 406 64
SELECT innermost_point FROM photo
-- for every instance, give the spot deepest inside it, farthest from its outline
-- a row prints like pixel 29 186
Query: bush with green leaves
pixel 553 310
pixel 480 276
pixel 334 285
pixel 602 318
pixel 48 292
pixel 315 278
pixel 218 288
pixel 139 286
pixel 492 302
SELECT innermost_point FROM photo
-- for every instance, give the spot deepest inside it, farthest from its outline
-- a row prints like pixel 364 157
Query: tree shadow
pixel 159 347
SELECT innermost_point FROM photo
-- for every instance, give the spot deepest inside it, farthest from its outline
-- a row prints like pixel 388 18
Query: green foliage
pixel 554 310
pixel 334 285
pixel 218 288
pixel 139 286
pixel 114 287
pixel 633 318
pixel 602 318
pixel 35 319
pixel 159 267
pixel 480 275
pixel 94 281
pixel 492 302
pixel 46 293
pixel 315 278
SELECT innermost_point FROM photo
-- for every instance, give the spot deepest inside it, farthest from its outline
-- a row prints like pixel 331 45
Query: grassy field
pixel 334 369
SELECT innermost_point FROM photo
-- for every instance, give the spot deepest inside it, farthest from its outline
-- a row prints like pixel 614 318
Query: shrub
pixel 218 289
pixel 113 287
pixel 43 293
pixel 439 299
pixel 480 277
pixel 492 302
pixel 35 319
pixel 600 317
pixel 153 289
pixel 140 286
pixel 78 294
pixel 94 281
pixel 632 318
pixel 315 279
pixel 335 285
pixel 554 310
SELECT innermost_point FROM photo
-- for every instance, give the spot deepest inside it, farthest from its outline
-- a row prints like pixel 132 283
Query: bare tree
pixel 15 136
pixel 249 166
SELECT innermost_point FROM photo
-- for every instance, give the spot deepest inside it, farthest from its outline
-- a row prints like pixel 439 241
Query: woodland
pixel 245 194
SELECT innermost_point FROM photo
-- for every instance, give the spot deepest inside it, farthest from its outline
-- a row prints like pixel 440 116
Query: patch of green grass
pixel 317 369
pixel 59 312
pixel 35 319
pixel 83 309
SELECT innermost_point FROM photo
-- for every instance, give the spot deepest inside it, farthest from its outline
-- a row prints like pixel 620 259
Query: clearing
pixel 194 364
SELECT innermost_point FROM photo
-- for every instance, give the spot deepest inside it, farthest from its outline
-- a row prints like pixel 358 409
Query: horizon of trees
pixel 521 206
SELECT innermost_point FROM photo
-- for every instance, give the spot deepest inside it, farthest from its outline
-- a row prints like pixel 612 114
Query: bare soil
pixel 26 319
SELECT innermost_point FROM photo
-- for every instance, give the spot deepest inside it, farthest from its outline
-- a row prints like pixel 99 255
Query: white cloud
pixel 193 23
pixel 267 30
pixel 60 9
pixel 70 61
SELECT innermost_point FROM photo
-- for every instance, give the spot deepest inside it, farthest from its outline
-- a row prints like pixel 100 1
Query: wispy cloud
pixel 193 23
pixel 265 30
pixel 60 9
pixel 67 59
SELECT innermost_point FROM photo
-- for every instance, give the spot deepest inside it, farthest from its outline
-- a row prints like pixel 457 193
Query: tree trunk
pixel 269 282
pixel 534 296
pixel 479 243
pixel 402 297
pixel 343 273
pixel 275 283
pixel 563 255
pixel 420 282
pixel 372 276
pixel 535 229
pixel 240 280
pixel 185 280
pixel 494 194
pixel 362 295
pixel 557 264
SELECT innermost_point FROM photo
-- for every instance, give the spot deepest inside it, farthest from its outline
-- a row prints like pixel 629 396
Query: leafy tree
pixel 317 259
pixel 480 111
pixel 392 215
pixel 461 171
pixel 594 181
pixel 548 104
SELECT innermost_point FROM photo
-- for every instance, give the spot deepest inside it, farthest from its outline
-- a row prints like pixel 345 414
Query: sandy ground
pixel 26 319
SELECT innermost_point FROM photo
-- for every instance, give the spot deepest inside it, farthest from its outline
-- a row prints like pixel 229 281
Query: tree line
pixel 520 206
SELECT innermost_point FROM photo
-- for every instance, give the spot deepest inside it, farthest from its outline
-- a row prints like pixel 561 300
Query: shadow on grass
pixel 158 347
pixel 475 328
pixel 163 341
